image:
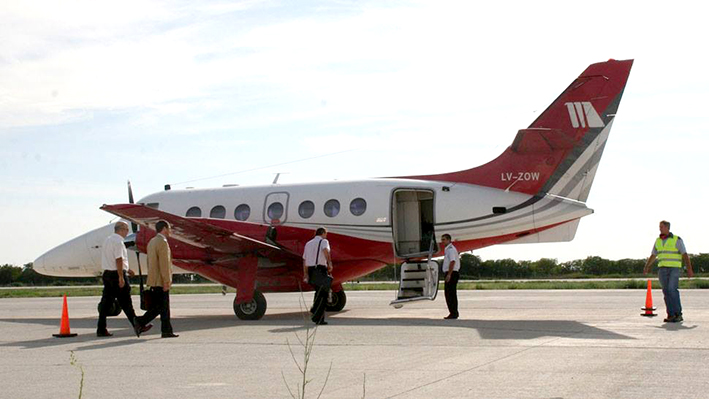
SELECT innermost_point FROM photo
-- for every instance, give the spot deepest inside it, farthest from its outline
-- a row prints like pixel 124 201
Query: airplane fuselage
pixel 377 220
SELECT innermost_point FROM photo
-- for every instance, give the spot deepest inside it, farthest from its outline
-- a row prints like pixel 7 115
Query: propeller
pixel 130 240
pixel 134 225
pixel 131 201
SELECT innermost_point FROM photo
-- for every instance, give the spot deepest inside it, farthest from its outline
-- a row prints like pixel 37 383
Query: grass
pixel 45 292
pixel 695 283
pixel 541 285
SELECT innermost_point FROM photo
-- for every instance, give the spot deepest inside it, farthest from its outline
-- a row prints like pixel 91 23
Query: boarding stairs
pixel 418 280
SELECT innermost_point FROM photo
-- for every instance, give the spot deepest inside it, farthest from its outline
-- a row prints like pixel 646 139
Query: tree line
pixel 11 275
pixel 472 267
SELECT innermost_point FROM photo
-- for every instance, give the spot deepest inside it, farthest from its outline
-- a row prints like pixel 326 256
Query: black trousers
pixel 111 292
pixel 321 293
pixel 451 288
pixel 159 305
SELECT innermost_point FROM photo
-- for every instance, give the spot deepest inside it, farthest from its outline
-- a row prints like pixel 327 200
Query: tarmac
pixel 507 344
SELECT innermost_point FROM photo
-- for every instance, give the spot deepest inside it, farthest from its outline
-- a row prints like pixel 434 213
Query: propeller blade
pixel 131 201
pixel 130 194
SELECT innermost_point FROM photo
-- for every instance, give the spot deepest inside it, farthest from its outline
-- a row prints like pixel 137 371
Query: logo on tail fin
pixel 583 114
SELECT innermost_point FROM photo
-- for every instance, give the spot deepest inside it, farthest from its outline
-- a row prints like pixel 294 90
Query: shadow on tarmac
pixel 298 321
pixel 676 327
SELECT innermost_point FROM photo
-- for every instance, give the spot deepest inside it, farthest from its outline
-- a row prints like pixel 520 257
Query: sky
pixel 201 94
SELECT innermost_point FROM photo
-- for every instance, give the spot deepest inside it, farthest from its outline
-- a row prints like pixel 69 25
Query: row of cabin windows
pixel 306 209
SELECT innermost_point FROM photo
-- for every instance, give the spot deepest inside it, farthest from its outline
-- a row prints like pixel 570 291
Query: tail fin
pixel 560 151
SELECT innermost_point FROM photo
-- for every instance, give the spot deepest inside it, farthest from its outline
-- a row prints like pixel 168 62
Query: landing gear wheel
pixel 252 310
pixel 339 299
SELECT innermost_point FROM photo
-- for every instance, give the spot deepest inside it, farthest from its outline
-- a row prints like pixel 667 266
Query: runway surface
pixel 507 344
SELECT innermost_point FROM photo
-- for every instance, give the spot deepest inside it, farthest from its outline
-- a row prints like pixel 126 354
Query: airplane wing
pixel 197 232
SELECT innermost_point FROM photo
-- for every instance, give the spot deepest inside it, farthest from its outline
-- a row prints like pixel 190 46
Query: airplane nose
pixel 79 257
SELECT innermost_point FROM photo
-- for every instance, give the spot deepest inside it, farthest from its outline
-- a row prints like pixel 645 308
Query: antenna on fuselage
pixel 275 180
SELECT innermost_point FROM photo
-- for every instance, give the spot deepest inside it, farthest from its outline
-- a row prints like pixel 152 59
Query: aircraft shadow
pixel 298 321
pixel 487 329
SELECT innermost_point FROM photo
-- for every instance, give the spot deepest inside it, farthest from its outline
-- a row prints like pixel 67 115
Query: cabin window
pixel 242 212
pixel 358 206
pixel 154 205
pixel 218 212
pixel 275 211
pixel 194 212
pixel 332 208
pixel 306 209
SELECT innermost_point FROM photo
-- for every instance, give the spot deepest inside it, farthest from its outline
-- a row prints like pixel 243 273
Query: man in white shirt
pixel 317 265
pixel 114 262
pixel 451 266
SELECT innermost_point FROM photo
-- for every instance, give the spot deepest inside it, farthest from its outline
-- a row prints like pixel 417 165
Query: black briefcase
pixel 145 299
pixel 148 299
pixel 320 280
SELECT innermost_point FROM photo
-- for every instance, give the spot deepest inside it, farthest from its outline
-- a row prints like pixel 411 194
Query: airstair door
pixel 412 215
pixel 419 281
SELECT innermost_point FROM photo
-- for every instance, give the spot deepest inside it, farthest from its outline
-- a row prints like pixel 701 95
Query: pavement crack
pixel 474 368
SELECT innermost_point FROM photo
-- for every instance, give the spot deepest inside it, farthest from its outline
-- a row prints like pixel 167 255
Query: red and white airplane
pixel 252 238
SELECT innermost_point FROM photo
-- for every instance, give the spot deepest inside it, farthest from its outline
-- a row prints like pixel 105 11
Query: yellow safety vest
pixel 668 254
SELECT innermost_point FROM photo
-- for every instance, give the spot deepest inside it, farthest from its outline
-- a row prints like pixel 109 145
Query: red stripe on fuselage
pixel 288 278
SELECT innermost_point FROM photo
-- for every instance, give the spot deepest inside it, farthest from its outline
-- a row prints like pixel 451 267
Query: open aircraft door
pixel 414 238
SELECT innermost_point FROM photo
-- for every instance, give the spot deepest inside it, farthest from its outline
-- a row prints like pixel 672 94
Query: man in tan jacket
pixel 159 281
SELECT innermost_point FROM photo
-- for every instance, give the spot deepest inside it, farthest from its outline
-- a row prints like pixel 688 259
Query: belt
pixel 318 266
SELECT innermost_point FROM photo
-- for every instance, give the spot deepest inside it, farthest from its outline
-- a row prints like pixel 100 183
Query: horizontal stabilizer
pixel 561 233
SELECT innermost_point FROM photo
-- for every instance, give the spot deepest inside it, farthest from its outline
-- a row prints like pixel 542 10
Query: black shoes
pixel 139 329
pixel 103 333
pixel 170 335
pixel 450 317
pixel 321 323
pixel 674 319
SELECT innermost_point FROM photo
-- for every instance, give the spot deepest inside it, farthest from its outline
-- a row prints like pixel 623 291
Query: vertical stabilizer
pixel 560 151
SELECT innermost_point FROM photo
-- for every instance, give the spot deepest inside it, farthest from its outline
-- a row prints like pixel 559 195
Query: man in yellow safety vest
pixel 670 251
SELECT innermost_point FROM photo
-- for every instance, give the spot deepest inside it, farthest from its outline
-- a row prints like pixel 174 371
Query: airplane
pixel 252 237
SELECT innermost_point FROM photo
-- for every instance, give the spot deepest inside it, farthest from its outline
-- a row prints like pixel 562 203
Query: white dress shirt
pixel 451 254
pixel 310 253
pixel 113 248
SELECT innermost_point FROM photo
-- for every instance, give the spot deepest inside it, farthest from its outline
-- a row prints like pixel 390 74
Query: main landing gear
pixel 336 301
pixel 253 309
pixel 256 307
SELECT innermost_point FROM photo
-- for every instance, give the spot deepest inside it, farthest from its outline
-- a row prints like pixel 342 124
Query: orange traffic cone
pixel 64 330
pixel 648 302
